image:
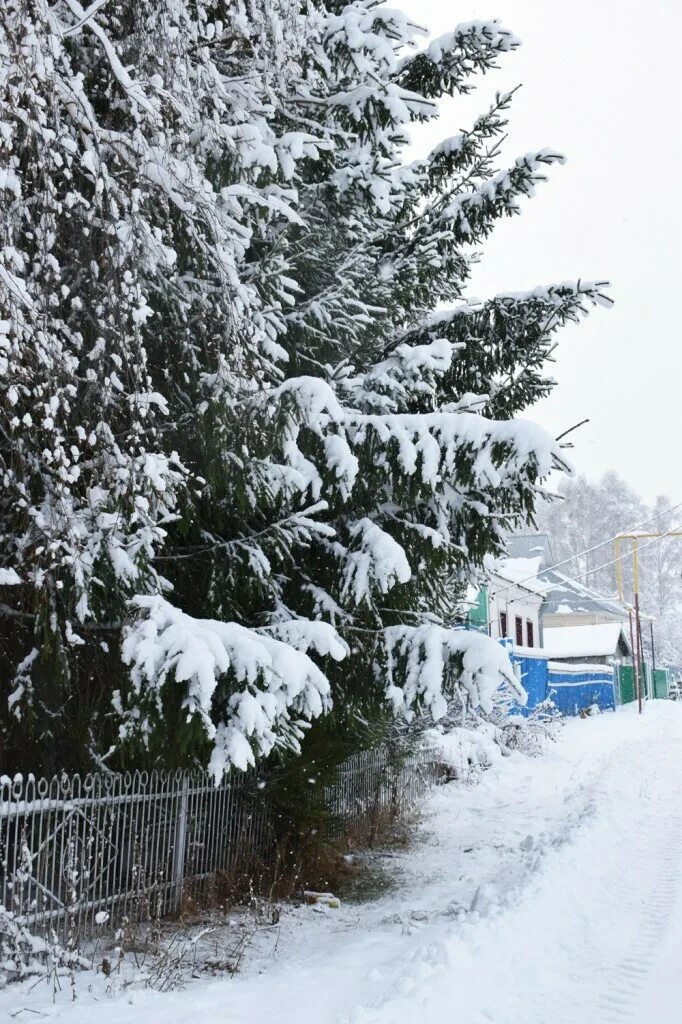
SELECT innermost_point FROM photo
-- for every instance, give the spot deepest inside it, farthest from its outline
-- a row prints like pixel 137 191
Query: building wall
pixel 478 613
pixel 579 686
pixel 592 659
pixel 552 619
pixel 514 601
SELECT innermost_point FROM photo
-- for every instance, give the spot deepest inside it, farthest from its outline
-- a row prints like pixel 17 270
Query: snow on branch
pixel 447 63
pixel 379 560
pixel 437 444
pixel 511 375
pixel 568 300
pixel 434 664
pixel 466 150
pixel 130 87
pixel 470 214
pixel 413 361
pixel 367 35
pixel 309 634
pixel 283 689
pixel 409 371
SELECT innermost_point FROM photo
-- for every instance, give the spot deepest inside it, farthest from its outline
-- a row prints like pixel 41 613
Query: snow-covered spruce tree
pixel 137 150
pixel 386 398
pixel 239 443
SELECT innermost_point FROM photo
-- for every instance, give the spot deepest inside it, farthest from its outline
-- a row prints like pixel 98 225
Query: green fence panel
pixel 661 683
pixel 626 684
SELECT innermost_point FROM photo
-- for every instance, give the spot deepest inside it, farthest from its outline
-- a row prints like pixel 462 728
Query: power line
pixel 588 551
pixel 605 565
pixel 577 578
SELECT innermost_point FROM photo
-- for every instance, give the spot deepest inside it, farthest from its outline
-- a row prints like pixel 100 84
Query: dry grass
pixel 293 863
pixel 337 864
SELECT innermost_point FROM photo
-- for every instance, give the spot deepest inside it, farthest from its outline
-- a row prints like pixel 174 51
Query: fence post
pixel 180 837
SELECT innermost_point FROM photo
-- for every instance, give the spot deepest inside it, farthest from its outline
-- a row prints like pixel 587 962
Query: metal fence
pixel 73 849
pixel 374 783
pixel 77 852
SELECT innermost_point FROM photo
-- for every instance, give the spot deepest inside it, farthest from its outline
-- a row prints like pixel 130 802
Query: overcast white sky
pixel 601 84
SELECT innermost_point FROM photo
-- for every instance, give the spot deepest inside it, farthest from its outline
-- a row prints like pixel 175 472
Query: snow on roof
pixel 527 564
pixel 530 545
pixel 583 641
pixel 564 592
pixel 521 571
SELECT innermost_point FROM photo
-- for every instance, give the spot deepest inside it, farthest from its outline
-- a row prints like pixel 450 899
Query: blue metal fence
pixel 533 676
pixel 570 687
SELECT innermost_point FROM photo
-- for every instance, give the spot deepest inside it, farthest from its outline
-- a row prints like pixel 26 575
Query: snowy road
pixel 572 864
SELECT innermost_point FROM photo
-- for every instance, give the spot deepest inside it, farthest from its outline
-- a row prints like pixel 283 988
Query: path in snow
pixel 572 864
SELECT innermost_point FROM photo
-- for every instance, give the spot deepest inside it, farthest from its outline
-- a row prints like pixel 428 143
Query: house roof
pixel 584 641
pixel 562 594
pixel 522 572
pixel 530 545
pixel 566 596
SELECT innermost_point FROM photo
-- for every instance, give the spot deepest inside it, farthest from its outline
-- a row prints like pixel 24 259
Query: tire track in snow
pixel 636 891
pixel 631 909
pixel 621 999
pixel 605 934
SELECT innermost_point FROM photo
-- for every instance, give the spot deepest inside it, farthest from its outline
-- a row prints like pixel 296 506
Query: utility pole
pixel 635 662
pixel 653 660
pixel 636 651
pixel 638 628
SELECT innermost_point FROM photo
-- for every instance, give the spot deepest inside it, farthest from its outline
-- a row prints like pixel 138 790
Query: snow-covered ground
pixel 549 893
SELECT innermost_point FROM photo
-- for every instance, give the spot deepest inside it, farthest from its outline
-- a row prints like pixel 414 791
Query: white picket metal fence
pixel 81 852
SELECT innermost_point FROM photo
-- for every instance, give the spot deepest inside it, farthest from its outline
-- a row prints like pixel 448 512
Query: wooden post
pixel 638 641
pixel 633 653
pixel 653 659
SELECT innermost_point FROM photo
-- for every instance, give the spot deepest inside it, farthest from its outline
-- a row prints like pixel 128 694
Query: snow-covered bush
pixel 471 738
pixel 470 748
pixel 24 955
pixel 237 440
pixel 465 751
pixel 529 733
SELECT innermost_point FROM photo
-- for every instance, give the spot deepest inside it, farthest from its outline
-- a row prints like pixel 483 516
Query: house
pixel 567 601
pixel 533 604
pixel 568 642
pixel 515 600
pixel 603 643
pixel 570 603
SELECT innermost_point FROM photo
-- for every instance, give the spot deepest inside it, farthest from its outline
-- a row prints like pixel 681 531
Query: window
pixel 530 634
pixel 519 630
pixel 503 623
